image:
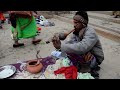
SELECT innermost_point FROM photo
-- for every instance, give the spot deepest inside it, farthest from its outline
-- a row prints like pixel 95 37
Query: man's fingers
pixel 54 42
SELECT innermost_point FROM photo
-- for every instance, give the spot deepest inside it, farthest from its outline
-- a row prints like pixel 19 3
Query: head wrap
pixel 80 19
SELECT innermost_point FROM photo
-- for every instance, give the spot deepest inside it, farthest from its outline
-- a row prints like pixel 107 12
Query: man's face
pixel 77 25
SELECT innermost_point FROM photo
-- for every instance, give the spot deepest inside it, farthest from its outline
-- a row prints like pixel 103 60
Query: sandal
pixel 18 45
pixel 36 41
pixel 94 74
pixel 97 68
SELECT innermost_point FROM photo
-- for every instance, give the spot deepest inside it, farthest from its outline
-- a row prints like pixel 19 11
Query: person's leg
pixel 116 14
pixel 95 65
pixel 35 41
pixel 113 12
pixel 0 25
pixel 94 68
pixel 13 23
pixel 17 44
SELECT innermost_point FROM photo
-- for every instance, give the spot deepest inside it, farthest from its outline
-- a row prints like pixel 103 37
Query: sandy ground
pixel 110 68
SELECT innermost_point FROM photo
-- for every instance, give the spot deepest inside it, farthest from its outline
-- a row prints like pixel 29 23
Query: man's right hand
pixel 56 41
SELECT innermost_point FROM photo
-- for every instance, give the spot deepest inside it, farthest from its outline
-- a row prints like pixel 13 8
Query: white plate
pixel 7 71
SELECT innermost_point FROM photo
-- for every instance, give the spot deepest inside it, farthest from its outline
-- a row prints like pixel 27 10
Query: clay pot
pixel 34 66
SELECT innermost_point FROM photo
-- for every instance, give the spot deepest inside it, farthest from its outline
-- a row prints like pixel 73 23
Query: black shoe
pixel 97 68
pixel 18 45
pixel 36 41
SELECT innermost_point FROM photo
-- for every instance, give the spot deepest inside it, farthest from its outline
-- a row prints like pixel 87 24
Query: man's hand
pixel 56 41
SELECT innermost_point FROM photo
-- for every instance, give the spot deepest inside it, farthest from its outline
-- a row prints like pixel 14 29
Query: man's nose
pixel 75 25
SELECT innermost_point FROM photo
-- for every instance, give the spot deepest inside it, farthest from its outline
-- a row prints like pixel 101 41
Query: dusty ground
pixel 110 68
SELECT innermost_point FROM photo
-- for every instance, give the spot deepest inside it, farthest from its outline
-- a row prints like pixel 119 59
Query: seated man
pixel 84 46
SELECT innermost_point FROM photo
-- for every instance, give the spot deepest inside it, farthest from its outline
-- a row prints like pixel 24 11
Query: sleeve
pixel 86 44
pixel 71 40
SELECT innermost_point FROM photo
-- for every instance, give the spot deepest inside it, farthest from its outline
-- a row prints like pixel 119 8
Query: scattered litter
pixel 44 22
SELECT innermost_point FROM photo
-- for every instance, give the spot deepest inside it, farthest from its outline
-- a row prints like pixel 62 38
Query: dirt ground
pixel 110 68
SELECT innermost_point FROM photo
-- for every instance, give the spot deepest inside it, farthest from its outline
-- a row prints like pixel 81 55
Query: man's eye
pixel 77 22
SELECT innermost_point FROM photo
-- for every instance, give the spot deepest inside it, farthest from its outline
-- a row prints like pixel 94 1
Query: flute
pixel 62 36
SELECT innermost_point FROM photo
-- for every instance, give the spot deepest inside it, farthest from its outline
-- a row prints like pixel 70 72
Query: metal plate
pixel 7 71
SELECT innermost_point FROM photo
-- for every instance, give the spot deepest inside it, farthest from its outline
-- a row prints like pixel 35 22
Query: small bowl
pixel 34 66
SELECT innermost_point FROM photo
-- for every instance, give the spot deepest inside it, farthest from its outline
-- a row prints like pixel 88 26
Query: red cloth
pixel 2 16
pixel 70 72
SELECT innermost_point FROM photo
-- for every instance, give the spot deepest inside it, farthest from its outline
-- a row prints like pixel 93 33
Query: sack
pixel 22 13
